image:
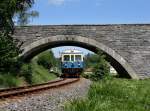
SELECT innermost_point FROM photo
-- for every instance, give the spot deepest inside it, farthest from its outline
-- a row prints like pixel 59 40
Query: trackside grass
pixel 114 95
pixel 10 80
pixel 36 75
pixel 40 74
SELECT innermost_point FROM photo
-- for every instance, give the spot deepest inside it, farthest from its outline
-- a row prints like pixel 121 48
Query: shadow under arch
pixel 117 61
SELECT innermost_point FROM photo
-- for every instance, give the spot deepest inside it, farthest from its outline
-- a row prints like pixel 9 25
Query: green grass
pixel 40 74
pixel 114 95
pixel 36 75
pixel 10 80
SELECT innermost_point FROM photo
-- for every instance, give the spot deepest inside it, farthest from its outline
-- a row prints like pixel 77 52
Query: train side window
pixel 72 57
pixel 78 57
pixel 66 58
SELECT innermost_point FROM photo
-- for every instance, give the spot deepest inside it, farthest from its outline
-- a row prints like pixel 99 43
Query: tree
pixel 91 60
pixel 102 68
pixel 46 59
pixel 100 65
pixel 8 8
pixel 24 15
pixel 8 50
pixel 9 47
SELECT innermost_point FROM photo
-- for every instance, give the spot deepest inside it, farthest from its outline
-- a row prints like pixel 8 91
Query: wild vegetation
pixel 29 73
pixel 108 93
pixel 114 95
pixel 35 74
pixel 23 16
pixel 100 67
pixel 13 72
pixel 90 60
pixel 47 60
pixel 9 47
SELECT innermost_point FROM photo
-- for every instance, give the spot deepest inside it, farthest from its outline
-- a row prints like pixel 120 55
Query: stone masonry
pixel 128 45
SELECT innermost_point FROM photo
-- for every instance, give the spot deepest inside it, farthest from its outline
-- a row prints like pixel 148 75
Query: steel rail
pixel 35 88
pixel 28 86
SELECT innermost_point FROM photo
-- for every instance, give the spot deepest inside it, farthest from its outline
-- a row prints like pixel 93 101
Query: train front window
pixel 66 58
pixel 78 57
pixel 72 57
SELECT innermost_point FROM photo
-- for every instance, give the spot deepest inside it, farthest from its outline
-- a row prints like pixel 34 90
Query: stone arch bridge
pixel 127 46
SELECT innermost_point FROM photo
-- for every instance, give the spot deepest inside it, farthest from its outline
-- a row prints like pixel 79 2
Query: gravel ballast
pixel 49 100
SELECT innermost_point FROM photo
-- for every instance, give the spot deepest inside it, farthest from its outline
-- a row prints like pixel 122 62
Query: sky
pixel 58 12
pixel 91 12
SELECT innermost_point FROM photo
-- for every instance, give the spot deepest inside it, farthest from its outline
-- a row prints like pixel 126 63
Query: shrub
pixel 8 51
pixel 46 59
pixel 35 74
pixel 9 80
pixel 101 69
pixel 40 74
pixel 26 71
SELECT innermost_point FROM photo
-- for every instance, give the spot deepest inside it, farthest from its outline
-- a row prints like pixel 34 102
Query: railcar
pixel 72 63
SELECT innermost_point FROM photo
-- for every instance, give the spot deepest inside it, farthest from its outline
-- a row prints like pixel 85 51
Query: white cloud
pixel 99 2
pixel 56 2
pixel 61 2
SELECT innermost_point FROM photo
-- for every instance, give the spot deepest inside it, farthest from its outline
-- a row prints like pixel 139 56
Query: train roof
pixel 72 51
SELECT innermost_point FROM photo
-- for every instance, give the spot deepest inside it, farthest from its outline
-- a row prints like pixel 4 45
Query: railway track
pixel 6 93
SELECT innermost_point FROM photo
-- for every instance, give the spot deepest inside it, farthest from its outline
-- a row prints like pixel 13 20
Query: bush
pixel 87 76
pixel 36 74
pixel 8 51
pixel 26 71
pixel 40 74
pixel 91 60
pixel 9 80
pixel 101 69
pixel 46 59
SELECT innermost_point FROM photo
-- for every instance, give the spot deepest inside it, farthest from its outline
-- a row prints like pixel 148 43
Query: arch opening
pixel 118 62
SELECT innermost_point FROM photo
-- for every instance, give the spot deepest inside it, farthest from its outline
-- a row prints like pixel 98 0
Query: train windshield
pixel 78 57
pixel 66 58
pixel 72 57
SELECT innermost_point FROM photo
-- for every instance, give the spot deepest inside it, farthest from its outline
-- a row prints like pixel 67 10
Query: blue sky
pixel 53 12
pixel 91 11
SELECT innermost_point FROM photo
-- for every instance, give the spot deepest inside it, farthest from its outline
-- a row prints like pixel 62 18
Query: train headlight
pixel 72 65
pixel 65 65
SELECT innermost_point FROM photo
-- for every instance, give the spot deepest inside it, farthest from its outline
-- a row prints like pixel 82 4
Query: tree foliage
pixel 99 64
pixel 7 10
pixel 24 15
pixel 46 59
pixel 101 69
pixel 26 71
pixel 9 48
pixel 91 60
